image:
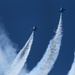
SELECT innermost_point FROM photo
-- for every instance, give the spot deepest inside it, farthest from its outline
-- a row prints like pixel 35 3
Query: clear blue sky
pixel 19 16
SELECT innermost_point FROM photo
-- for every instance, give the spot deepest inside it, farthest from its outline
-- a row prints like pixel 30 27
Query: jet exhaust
pixel 7 51
pixel 72 70
pixel 46 63
pixel 21 58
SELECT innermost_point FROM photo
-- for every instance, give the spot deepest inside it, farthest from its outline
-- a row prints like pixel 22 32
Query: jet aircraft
pixel 61 10
pixel 34 28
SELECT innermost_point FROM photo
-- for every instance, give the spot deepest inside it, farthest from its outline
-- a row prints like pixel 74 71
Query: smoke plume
pixel 72 70
pixel 46 63
pixel 21 58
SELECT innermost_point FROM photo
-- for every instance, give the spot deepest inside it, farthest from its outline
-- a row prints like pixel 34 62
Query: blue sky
pixel 19 16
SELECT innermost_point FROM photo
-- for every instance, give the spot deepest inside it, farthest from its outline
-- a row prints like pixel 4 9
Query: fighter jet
pixel 61 10
pixel 34 28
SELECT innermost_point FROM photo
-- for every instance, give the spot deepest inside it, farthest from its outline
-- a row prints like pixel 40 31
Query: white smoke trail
pixel 72 70
pixel 50 56
pixel 21 58
pixel 7 52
